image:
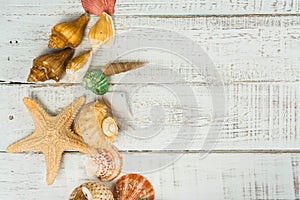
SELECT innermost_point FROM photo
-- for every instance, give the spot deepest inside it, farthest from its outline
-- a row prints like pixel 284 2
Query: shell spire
pixel 68 34
pixel 119 67
pixel 50 66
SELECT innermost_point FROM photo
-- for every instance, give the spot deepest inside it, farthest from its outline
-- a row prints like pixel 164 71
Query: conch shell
pixel 77 67
pixel 102 32
pixel 106 164
pixel 119 67
pixel 96 126
pixel 91 191
pixel 50 66
pixel 96 82
pixel 97 7
pixel 68 34
pixel 133 186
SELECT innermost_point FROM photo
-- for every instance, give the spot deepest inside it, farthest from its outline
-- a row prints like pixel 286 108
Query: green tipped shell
pixel 96 82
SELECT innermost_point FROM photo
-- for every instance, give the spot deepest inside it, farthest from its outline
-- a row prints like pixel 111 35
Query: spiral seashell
pixel 91 191
pixel 90 122
pixel 133 186
pixel 102 32
pixel 77 67
pixel 119 67
pixel 97 7
pixel 68 34
pixel 106 164
pixel 50 66
pixel 96 82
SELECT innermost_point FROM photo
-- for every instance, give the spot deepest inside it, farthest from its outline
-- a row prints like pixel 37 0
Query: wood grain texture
pixel 156 7
pixel 258 116
pixel 217 176
pixel 254 48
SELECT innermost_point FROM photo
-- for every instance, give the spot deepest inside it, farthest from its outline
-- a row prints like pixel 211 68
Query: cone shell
pixel 106 164
pixel 102 32
pixel 50 66
pixel 68 34
pixel 97 7
pixel 91 191
pixel 119 67
pixel 96 82
pixel 133 186
pixel 77 67
pixel 89 125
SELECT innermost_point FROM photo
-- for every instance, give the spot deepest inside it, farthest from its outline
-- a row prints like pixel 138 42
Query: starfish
pixel 52 135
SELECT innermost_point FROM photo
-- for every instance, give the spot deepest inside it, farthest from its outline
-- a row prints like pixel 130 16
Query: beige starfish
pixel 52 135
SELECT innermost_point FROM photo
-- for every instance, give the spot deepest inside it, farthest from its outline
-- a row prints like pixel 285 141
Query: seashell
pixel 96 126
pixel 102 32
pixel 119 67
pixel 117 103
pixel 96 82
pixel 97 7
pixel 77 67
pixel 91 191
pixel 50 66
pixel 106 164
pixel 133 186
pixel 68 34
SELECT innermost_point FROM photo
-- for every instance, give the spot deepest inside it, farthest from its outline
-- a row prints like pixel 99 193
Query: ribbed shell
pixel 68 34
pixel 133 187
pixel 96 82
pixel 106 164
pixel 91 191
pixel 89 125
pixel 97 7
pixel 50 66
pixel 119 67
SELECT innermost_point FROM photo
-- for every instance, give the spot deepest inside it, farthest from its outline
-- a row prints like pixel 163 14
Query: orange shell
pixel 68 34
pixel 106 164
pixel 133 186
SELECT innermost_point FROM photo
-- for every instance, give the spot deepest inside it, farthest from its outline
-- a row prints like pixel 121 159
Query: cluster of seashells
pixel 66 36
pixel 128 187
pixel 94 123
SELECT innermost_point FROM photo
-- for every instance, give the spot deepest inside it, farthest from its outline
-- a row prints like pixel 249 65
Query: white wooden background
pixel 255 45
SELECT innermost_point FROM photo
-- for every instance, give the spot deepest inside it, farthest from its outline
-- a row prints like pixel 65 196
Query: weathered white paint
pixel 252 48
pixel 217 176
pixel 254 45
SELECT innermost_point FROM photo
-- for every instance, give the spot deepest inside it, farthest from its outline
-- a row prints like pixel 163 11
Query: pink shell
pixel 97 7
pixel 106 164
pixel 133 186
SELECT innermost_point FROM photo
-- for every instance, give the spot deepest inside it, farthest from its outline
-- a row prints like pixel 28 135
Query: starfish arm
pixel 38 114
pixel 29 143
pixel 76 143
pixel 53 157
pixel 66 117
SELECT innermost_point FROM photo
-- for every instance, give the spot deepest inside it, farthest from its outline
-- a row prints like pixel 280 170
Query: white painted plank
pixel 217 176
pixel 242 48
pixel 155 7
pixel 261 116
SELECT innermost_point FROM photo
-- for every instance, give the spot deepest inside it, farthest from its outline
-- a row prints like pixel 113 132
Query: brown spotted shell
pixel 106 164
pixel 91 191
pixel 133 186
pixel 96 126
